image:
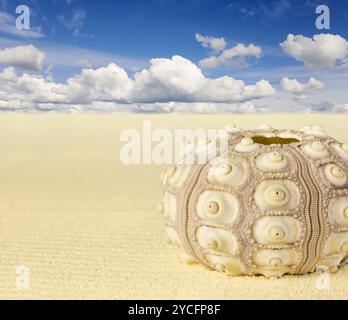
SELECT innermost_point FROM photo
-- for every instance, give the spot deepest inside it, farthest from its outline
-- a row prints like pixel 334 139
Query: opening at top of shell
pixel 273 140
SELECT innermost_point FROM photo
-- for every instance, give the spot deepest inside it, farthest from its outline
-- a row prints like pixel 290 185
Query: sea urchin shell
pixel 278 205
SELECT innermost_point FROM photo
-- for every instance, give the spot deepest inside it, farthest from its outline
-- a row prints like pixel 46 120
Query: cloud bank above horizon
pixel 168 85
pixel 166 80
pixel 173 84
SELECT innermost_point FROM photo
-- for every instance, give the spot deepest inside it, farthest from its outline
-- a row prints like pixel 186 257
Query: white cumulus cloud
pixel 298 88
pixel 321 51
pixel 178 79
pixel 110 83
pixel 216 44
pixel 25 57
pixel 165 81
pixel 227 57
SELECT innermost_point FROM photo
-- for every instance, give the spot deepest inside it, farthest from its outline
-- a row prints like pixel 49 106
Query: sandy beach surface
pixel 83 225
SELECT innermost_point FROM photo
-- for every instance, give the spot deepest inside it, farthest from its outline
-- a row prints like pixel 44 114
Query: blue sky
pixel 76 34
pixel 161 28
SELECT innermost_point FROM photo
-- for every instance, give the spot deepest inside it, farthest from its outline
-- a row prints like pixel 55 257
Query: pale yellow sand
pixel 86 226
